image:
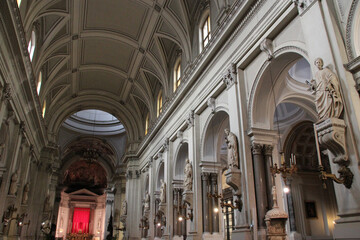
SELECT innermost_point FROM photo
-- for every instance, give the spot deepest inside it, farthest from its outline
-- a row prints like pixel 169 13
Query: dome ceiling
pixel 111 55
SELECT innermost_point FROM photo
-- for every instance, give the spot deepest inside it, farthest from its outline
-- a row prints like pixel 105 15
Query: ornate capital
pixel 205 176
pixel 256 148
pixel 128 174
pixel 166 144
pixel 230 76
pixel 268 149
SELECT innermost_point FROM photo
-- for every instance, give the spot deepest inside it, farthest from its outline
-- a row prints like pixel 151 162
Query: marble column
pixel 268 149
pixel 215 215
pixel 260 183
pixel 205 179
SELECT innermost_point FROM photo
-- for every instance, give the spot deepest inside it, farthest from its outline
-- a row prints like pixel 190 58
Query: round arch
pixel 274 75
pixel 213 138
pixel 58 116
pixel 181 155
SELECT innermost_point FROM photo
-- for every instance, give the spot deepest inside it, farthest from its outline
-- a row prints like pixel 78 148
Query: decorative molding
pixel 349 26
pixel 190 118
pixel 256 148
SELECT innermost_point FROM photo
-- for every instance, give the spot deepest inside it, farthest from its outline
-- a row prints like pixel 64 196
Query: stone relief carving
pixel 162 191
pixel 190 118
pixel 232 145
pixel 188 171
pixel 326 87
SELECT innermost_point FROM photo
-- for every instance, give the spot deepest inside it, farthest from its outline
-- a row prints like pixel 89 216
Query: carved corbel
pixel 267 47
pixel 211 104
pixel 331 135
pixel 233 179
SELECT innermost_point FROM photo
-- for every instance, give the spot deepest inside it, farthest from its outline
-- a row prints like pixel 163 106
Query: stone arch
pixel 160 175
pixel 102 103
pixel 274 75
pixel 352 41
pixel 181 155
pixel 213 138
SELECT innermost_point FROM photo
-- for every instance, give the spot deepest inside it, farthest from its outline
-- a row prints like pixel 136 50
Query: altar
pixel 82 216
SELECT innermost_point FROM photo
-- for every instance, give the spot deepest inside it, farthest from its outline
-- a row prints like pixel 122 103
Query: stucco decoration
pixel 326 88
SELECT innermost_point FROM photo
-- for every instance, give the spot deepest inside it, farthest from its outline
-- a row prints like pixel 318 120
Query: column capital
pixel 268 149
pixel 205 175
pixel 256 148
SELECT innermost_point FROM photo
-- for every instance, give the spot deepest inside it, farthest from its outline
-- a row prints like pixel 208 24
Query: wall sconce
pixel 224 204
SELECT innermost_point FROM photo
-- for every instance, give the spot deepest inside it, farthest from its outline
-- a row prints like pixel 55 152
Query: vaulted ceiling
pixel 112 55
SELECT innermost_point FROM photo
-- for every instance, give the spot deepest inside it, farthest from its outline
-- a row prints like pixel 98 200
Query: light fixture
pixel 286 189
pixel 158 224
pixel 216 210
pixel 180 218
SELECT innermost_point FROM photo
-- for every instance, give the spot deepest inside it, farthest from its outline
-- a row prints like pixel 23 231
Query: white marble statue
pixel 124 207
pixel 232 145
pixel 327 92
pixel 162 191
pixel 147 201
pixel 13 184
pixel 25 197
pixel 188 171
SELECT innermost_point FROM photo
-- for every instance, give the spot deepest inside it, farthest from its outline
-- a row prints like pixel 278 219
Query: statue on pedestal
pixel 147 201
pixel 13 184
pixel 188 171
pixel 326 87
pixel 25 197
pixel 232 145
pixel 162 191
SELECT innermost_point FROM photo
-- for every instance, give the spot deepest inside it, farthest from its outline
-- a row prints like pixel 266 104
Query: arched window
pixel 38 85
pixel 31 46
pixel 177 74
pixel 18 2
pixel 147 124
pixel 44 109
pixel 159 103
pixel 205 31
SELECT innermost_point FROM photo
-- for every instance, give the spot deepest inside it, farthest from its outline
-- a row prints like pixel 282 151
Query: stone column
pixel 215 203
pixel 206 217
pixel 260 183
pixel 268 149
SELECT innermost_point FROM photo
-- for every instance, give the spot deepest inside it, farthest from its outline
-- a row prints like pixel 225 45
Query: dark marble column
pixel 260 183
pixel 215 215
pixel 269 178
pixel 205 197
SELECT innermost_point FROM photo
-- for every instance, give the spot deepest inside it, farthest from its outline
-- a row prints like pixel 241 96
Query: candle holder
pixel 346 176
pixel 223 203
pixel 283 169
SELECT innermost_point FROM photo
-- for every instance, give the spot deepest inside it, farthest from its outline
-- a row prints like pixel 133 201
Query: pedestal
pixel 162 208
pixel 275 220
pixel 331 135
pixel 233 179
pixel 188 198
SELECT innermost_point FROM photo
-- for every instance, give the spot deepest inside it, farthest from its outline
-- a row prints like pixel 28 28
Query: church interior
pixel 179 119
